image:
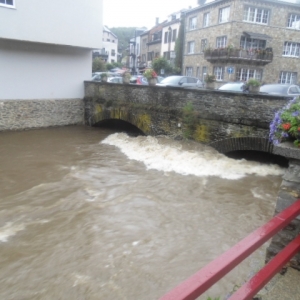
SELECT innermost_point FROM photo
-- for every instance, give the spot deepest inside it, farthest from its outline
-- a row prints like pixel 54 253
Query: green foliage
pixel 179 46
pixel 98 65
pixel 253 82
pixel 150 73
pixel 124 34
pixel 286 124
pixel 162 63
pixel 189 120
pixel 113 65
pixel 210 78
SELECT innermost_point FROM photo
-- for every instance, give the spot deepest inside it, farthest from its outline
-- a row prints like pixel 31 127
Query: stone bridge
pixel 223 120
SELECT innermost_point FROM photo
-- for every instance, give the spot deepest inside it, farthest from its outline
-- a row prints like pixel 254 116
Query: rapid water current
pixel 89 213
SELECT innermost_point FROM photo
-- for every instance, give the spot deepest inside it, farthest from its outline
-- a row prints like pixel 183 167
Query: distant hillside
pixel 124 34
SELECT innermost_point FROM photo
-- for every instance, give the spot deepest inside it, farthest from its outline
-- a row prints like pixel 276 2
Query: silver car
pixel 181 81
pixel 288 90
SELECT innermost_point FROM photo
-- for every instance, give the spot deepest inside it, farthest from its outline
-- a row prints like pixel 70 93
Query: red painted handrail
pixel 201 281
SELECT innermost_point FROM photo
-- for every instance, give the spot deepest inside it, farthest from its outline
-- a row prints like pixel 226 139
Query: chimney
pixel 156 21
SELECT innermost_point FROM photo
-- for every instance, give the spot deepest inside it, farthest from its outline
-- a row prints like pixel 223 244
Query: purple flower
pixel 295 113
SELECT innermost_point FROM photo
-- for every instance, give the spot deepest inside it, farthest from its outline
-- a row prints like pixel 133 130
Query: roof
pixel 255 35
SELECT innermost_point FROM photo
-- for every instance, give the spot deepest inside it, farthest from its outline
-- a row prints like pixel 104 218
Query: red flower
pixel 298 129
pixel 286 126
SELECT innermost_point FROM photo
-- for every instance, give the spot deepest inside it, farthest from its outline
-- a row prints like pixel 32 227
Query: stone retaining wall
pixel 288 193
pixel 26 114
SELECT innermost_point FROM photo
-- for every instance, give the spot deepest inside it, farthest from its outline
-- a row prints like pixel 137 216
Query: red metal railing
pixel 201 281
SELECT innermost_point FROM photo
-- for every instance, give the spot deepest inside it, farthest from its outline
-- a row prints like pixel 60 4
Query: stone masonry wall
pixel 26 114
pixel 276 29
pixel 289 192
pixel 216 115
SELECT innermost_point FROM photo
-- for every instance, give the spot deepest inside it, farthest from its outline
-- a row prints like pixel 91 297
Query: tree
pixel 179 45
pixel 98 65
pixel 161 63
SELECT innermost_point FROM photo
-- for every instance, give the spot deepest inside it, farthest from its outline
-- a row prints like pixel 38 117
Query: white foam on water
pixel 168 158
pixel 10 229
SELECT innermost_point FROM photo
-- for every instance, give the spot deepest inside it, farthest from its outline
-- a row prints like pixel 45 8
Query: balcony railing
pixel 257 57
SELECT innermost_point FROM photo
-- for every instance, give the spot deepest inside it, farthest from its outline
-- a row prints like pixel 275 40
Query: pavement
pixel 282 287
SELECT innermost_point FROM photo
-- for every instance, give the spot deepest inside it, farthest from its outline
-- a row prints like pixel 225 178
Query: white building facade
pixel 109 52
pixel 46 47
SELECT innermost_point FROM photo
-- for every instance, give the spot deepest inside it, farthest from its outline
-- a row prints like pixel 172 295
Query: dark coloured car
pixel 288 90
pixel 181 81
pixel 234 87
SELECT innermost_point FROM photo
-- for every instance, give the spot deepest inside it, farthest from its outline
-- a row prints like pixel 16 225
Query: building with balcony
pixel 46 48
pixel 240 39
pixel 109 52
pixel 151 44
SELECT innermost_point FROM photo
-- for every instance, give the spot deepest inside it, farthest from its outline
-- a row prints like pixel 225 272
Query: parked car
pixel 289 90
pixel 234 87
pixel 116 79
pixel 181 81
pixel 140 79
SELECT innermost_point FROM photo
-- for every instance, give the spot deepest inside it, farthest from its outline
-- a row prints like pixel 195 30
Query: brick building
pixel 240 39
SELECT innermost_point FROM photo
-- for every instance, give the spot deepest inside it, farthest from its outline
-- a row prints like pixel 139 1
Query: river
pixel 88 213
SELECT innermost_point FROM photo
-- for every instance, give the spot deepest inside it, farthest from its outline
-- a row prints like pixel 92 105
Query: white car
pixel 181 81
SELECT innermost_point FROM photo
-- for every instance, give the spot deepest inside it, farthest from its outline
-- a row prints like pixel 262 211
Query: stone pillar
pixel 289 192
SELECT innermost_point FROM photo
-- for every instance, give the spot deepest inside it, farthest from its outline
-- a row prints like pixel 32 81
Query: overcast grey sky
pixel 139 13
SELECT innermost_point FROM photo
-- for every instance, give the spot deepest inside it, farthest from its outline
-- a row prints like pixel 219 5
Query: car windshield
pixel 274 89
pixel 232 87
pixel 171 79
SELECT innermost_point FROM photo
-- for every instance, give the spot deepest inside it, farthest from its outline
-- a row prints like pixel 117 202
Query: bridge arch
pixel 119 125
pixel 242 143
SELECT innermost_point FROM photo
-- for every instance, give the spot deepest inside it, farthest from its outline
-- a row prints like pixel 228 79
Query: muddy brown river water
pixel 87 213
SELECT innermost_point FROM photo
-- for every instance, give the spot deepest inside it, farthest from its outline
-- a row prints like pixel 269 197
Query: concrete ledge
pixel 287 149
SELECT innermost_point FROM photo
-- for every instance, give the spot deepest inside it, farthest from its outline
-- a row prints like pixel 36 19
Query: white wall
pixel 39 71
pixel 67 22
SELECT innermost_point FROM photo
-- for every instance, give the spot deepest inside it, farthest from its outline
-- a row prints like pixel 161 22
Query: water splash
pixel 174 158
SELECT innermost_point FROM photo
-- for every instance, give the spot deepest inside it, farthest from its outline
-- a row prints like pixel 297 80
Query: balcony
pixel 239 56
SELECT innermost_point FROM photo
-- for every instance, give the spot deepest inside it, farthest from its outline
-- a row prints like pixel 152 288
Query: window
pixel 113 52
pixel 191 47
pixel 244 74
pixel 203 45
pixel 224 14
pixel 291 49
pixel 166 37
pixel 192 23
pixel 256 15
pixel 294 21
pixel 248 43
pixel 174 33
pixel 204 72
pixel 108 40
pixel 198 72
pixel 143 57
pixel 219 73
pixel 9 3
pixel 206 19
pixel 287 77
pixel 221 42
pixel 150 56
pixel 189 71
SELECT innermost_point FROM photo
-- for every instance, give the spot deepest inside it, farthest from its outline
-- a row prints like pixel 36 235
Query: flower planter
pixel 126 80
pixel 152 81
pixel 210 85
pixel 253 89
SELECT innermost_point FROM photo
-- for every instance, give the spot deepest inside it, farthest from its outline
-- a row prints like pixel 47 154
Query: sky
pixel 140 13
